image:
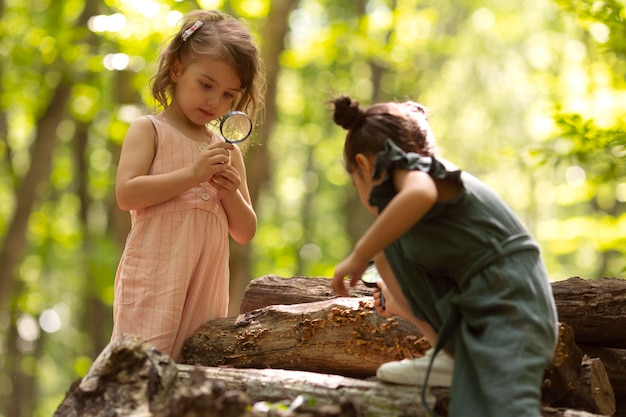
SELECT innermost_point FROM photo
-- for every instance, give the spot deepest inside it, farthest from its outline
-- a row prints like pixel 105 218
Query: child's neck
pixel 199 133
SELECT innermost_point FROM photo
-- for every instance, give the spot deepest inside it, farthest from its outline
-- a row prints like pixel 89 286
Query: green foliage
pixel 604 20
pixel 527 97
pixel 599 150
pixel 590 146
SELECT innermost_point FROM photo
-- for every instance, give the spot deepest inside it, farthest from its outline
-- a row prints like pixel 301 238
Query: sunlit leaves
pixel 602 150
pixel 604 20
pixel 251 9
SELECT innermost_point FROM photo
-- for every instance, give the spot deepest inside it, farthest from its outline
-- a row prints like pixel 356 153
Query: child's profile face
pixel 205 89
pixel 363 183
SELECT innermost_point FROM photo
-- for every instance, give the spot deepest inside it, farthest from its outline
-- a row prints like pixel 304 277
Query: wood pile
pixel 298 350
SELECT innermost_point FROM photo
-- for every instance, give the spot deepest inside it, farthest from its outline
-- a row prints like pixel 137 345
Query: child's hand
pixel 388 310
pixel 352 267
pixel 227 182
pixel 213 159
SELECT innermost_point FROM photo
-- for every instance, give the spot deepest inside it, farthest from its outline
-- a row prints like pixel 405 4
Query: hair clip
pixel 191 30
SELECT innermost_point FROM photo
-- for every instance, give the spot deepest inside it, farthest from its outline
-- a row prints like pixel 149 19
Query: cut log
pixel 577 381
pixel 596 310
pixel 614 361
pixel 129 377
pixel 331 335
pixel 345 337
pixel 271 290
pixel 341 336
pixel 369 398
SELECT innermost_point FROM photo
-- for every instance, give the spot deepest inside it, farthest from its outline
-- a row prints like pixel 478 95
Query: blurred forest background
pixel 529 95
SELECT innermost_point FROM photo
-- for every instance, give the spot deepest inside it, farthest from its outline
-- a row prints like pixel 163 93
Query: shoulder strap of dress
pixel 156 123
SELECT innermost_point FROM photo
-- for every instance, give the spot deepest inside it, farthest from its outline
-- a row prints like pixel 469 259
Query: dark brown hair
pixel 223 38
pixel 405 123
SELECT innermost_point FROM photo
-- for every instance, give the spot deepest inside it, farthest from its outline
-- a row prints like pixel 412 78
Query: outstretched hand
pixel 352 267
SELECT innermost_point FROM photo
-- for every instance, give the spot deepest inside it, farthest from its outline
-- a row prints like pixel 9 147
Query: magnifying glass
pixel 370 277
pixel 235 126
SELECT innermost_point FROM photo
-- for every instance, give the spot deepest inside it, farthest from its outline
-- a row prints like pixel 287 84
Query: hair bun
pixel 347 112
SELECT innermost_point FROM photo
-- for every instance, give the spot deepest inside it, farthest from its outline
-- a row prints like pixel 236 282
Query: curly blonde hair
pixel 221 37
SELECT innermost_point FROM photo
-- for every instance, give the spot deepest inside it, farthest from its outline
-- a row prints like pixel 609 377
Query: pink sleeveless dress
pixel 173 275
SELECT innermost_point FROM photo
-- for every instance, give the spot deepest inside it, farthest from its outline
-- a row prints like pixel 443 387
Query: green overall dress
pixel 471 270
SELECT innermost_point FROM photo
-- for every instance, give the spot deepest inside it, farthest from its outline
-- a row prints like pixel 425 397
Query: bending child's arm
pixel 135 189
pixel 417 193
pixel 232 187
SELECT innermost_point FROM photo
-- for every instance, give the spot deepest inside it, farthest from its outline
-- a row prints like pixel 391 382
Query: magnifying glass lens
pixel 370 277
pixel 236 127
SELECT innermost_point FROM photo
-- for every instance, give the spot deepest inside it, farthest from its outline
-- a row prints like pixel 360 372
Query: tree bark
pixel 370 398
pixel 614 361
pixel 603 302
pixel 272 290
pixel 575 380
pixel 596 309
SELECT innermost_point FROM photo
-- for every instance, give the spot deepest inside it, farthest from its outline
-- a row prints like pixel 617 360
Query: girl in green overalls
pixel 452 252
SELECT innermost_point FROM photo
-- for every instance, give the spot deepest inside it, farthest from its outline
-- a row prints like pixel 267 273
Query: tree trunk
pixel 367 397
pixel 41 161
pixel 272 34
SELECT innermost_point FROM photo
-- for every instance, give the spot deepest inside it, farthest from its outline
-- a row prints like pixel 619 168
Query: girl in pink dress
pixel 185 187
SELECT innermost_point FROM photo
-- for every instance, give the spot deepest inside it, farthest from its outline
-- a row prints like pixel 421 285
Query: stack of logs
pixel 299 324
pixel 298 350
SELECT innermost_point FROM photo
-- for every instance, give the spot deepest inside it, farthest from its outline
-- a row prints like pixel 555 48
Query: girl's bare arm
pixel 233 188
pixel 135 189
pixel 417 193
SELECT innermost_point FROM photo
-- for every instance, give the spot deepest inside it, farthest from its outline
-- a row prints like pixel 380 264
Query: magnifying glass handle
pixel 382 297
pixel 382 300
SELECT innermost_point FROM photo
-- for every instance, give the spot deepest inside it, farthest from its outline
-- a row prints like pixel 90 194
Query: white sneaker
pixel 413 371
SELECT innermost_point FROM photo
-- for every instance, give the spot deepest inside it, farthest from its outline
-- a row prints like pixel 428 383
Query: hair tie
pixel 191 30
